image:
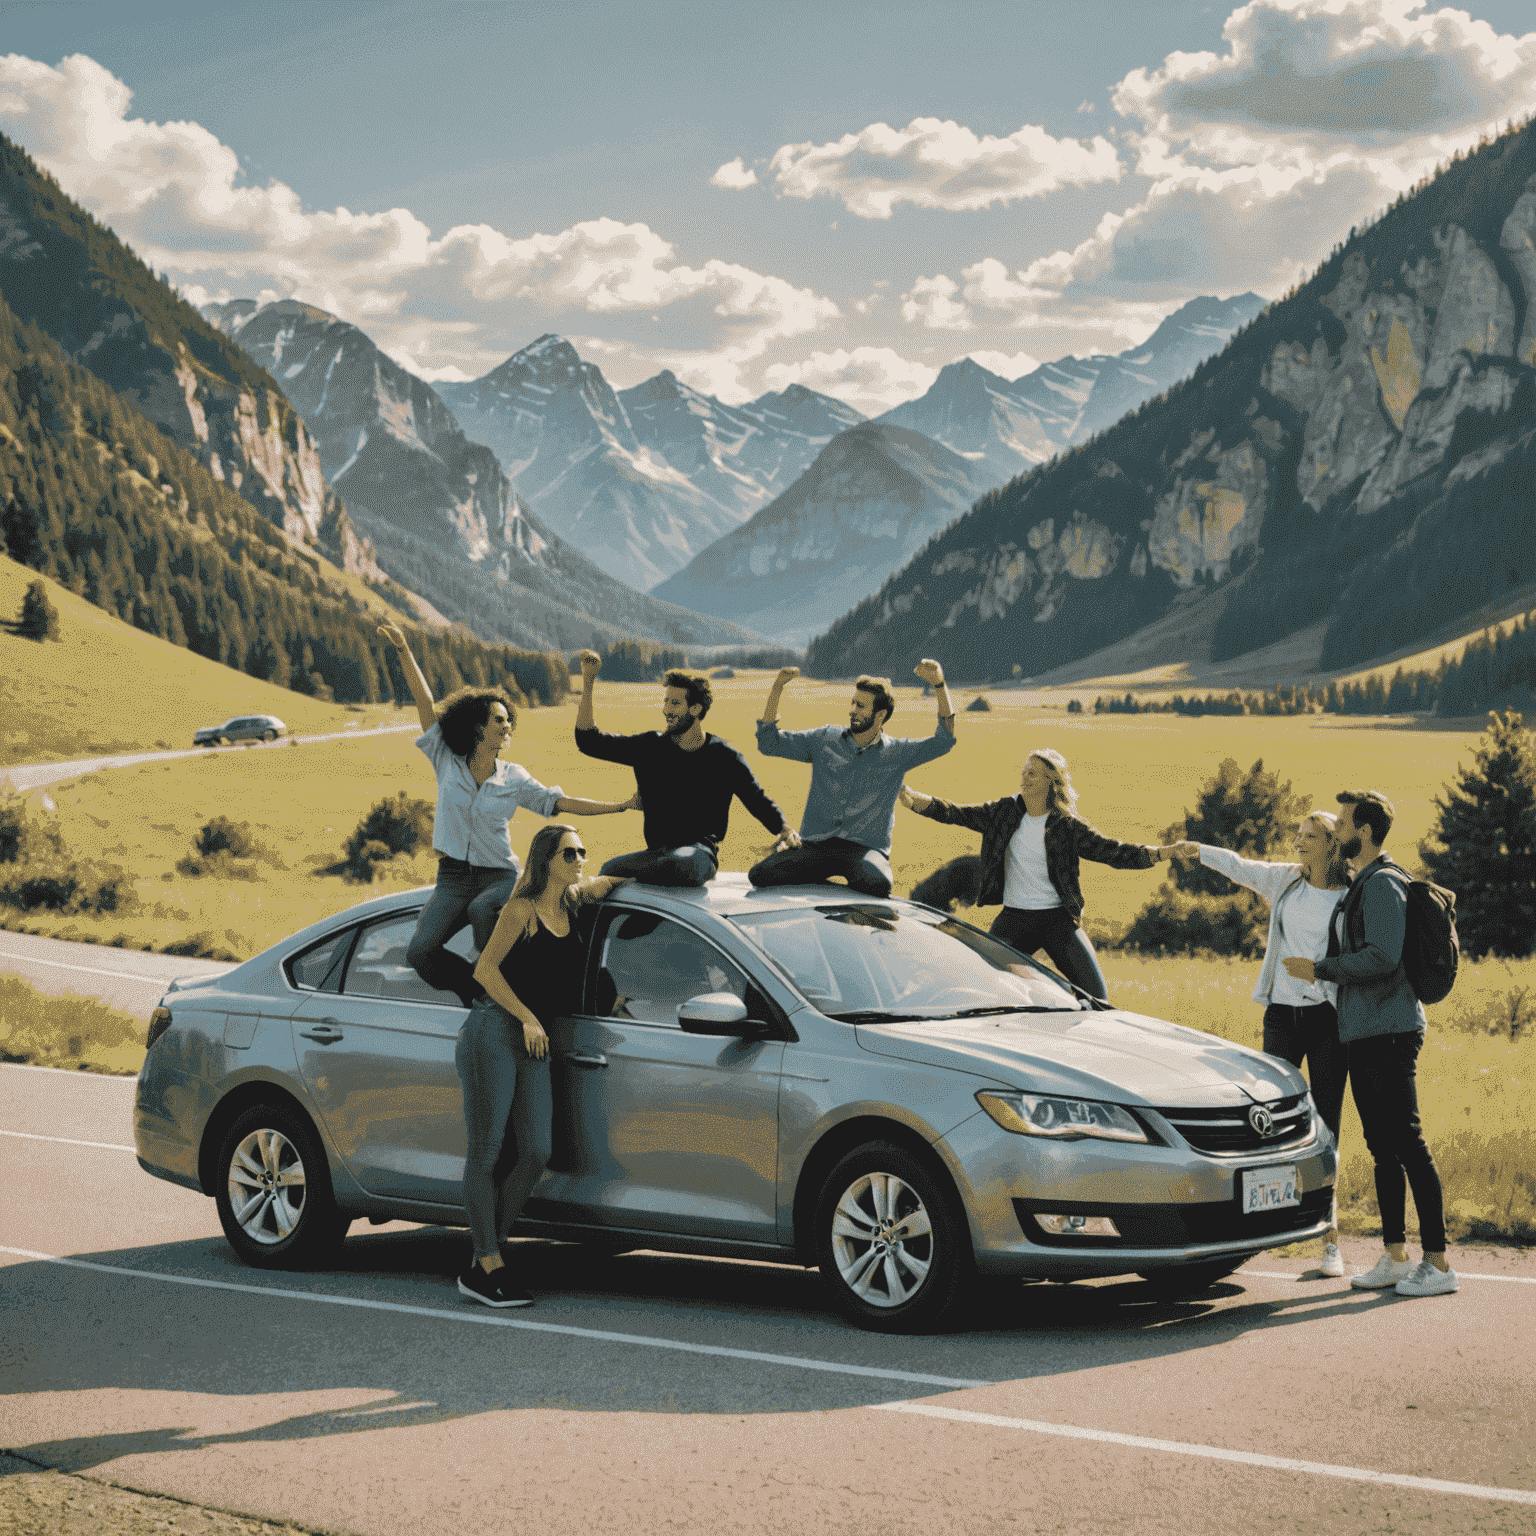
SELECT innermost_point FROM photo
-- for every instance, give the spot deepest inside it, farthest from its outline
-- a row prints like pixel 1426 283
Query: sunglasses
pixel 573 855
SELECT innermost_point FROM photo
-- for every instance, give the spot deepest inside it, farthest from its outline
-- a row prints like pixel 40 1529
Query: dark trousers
pixel 505 1091
pixel 694 864
pixel 464 894
pixel 1311 1035
pixel 1065 944
pixel 1382 1078
pixel 866 870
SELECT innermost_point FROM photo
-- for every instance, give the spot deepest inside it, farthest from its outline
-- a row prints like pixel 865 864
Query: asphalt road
pixel 129 979
pixel 648 1392
pixel 25 776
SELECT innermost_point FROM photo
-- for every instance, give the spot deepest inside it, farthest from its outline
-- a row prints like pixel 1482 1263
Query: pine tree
pixel 1483 845
pixel 39 618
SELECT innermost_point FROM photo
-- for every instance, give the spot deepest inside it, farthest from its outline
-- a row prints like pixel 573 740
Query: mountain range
pixel 639 480
pixel 1363 454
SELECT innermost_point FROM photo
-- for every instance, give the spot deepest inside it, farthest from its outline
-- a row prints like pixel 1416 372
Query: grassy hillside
pixel 108 687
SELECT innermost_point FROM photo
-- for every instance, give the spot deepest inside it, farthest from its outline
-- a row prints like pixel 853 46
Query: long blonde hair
pixel 1336 871
pixel 1062 795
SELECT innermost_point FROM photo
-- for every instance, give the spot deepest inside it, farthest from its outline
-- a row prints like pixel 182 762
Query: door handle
pixel 326 1032
pixel 578 1060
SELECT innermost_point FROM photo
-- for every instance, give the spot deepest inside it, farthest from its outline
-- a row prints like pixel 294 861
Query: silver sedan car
pixel 804 1075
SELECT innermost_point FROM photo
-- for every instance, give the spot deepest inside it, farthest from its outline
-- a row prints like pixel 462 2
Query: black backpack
pixel 1431 951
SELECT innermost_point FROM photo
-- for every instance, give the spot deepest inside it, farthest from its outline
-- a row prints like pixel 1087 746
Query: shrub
pixel 221 835
pixel 398 824
pixel 979 704
pixel 1074 706
pixel 39 618
pixel 37 870
pixel 48 1030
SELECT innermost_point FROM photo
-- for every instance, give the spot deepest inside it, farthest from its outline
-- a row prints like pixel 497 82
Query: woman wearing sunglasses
pixel 531 971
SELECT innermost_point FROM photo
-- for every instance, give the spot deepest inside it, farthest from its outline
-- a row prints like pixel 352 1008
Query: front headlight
pixel 1038 1114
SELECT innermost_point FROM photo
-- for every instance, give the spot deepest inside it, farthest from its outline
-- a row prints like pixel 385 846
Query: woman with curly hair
pixel 1030 846
pixel 477 796
pixel 531 974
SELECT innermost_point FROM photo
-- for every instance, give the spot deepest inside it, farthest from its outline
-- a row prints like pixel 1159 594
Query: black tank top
pixel 545 972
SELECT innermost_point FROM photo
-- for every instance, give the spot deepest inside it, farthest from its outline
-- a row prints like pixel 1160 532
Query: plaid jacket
pixel 1067 839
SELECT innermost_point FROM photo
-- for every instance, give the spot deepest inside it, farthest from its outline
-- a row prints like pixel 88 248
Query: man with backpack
pixel 1381 1025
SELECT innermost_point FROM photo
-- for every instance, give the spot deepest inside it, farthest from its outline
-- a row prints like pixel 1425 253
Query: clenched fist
pixel 930 672
pixel 786 675
pixel 591 664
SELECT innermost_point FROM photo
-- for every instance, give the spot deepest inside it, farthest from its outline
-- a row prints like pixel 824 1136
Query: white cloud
pixel 461 301
pixel 1007 365
pixel 734 176
pixel 930 302
pixel 871 379
pixel 939 164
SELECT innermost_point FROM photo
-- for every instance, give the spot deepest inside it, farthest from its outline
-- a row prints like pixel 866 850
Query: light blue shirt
pixel 471 821
pixel 853 788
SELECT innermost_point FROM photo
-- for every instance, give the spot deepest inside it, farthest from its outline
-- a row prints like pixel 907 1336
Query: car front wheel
pixel 269 735
pixel 891 1242
pixel 274 1191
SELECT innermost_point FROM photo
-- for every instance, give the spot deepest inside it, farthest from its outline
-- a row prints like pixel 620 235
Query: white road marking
pixel 1215 1453
pixel 94 970
pixel 74 1076
pixel 68 1141
pixel 1461 1274
pixel 602 1335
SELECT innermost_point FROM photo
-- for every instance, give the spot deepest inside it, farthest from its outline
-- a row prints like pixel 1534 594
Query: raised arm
pixel 786 676
pixel 933 674
pixel 514 921
pixel 591 665
pixel 426 707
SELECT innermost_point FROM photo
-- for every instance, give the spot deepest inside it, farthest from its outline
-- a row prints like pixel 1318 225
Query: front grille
pixel 1175 1226
pixel 1230 1132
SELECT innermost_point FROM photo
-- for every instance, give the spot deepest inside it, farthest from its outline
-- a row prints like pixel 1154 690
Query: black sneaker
pixel 495 1289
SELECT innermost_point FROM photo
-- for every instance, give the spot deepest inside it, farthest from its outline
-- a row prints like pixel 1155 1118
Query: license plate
pixel 1269 1189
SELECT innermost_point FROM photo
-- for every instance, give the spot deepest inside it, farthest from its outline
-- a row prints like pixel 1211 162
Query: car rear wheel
pixel 1191 1279
pixel 274 1191
pixel 891 1242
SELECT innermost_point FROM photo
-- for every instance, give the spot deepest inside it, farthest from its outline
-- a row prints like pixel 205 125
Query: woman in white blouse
pixel 1300 1024
pixel 477 796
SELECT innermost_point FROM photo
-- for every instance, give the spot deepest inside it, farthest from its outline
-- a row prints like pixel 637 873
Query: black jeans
pixel 1311 1035
pixel 866 870
pixel 1065 944
pixel 464 893
pixel 1381 1076
pixel 694 864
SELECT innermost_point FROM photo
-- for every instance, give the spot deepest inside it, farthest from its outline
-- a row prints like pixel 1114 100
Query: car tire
pixel 269 735
pixel 272 1163
pixel 892 1245
pixel 1191 1279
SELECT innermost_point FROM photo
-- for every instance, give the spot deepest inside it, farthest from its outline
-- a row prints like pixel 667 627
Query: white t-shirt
pixel 1302 931
pixel 1027 885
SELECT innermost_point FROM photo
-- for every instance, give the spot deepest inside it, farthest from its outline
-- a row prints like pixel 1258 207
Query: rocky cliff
pixel 874 496
pixel 1356 454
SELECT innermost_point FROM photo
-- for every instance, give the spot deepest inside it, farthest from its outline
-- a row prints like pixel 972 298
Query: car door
pixel 657 1129
pixel 376 1055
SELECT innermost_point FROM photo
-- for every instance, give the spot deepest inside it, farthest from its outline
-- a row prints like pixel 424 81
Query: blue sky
pixel 1012 182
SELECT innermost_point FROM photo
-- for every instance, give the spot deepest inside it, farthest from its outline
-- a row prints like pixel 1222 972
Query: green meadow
pixel 1136 774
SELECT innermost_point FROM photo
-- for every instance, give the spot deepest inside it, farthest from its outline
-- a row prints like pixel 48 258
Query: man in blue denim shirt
pixel 856 775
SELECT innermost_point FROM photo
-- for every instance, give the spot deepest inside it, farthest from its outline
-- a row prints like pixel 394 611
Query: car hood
pixel 1126 1057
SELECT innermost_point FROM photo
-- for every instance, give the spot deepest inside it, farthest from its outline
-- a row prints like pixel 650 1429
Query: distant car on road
pixel 241 728
pixel 802 1075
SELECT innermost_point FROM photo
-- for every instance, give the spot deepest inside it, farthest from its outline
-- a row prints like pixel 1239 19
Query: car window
pixel 874 958
pixel 650 964
pixel 318 969
pixel 378 967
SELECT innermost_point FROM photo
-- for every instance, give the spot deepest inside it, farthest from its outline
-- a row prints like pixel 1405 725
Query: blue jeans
pixel 866 870
pixel 1382 1077
pixel 1065 944
pixel 505 1090
pixel 464 893
pixel 693 864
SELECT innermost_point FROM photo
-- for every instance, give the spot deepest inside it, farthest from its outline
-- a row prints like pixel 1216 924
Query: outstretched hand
pixel 788 838
pixel 1184 850
pixel 591 664
pixel 910 798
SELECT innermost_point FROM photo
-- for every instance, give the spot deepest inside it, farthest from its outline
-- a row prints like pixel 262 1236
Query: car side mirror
pixel 716 1013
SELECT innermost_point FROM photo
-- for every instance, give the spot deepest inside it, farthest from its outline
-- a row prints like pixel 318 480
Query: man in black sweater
pixel 686 778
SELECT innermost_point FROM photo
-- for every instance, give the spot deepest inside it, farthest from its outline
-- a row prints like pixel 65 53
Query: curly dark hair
pixel 463 715
pixel 879 689
pixel 1371 809
pixel 695 685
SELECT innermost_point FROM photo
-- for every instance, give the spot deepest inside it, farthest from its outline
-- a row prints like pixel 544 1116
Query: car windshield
pixel 875 963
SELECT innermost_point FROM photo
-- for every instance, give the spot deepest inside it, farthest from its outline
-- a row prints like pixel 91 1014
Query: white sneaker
pixel 1426 1280
pixel 1387 1272
pixel 1332 1263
